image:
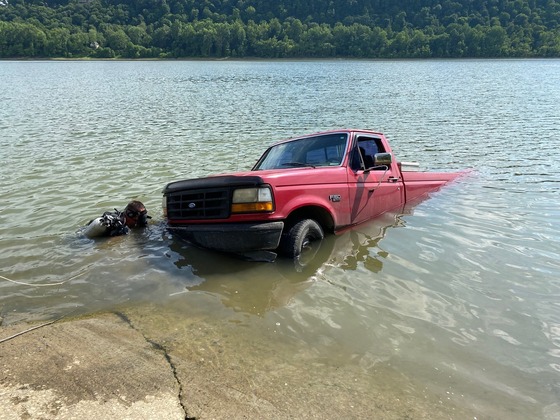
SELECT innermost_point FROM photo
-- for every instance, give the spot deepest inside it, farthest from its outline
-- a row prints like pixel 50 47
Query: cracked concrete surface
pixel 167 358
pixel 157 363
pixel 87 368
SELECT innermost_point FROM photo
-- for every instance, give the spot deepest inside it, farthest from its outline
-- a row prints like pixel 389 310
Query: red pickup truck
pixel 299 189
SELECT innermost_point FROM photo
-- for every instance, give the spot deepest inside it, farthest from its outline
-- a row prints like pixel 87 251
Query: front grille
pixel 208 203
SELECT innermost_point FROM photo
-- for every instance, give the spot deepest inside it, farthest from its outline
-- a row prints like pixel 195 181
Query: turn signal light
pixel 250 207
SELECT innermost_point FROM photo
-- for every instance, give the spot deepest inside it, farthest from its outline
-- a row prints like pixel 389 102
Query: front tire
pixel 300 238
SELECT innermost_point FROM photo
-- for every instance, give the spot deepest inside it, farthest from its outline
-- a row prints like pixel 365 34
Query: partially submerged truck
pixel 299 189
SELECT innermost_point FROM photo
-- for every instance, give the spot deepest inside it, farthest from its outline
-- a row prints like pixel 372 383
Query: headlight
pixel 247 200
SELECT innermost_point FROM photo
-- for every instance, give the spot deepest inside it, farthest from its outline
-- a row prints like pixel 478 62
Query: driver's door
pixel 373 190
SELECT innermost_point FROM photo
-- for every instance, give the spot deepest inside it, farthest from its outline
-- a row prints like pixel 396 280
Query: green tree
pixel 317 41
pixel 117 40
pixel 162 37
pixel 494 42
pixel 21 40
pixel 57 42
pixel 238 42
pixel 78 44
pixel 138 35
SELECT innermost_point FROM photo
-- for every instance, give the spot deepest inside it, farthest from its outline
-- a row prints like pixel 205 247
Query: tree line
pixel 279 29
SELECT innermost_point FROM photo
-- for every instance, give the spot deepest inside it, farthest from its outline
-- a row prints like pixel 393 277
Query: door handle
pixel 393 179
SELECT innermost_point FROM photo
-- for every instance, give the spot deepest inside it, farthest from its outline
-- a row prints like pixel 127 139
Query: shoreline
pixel 290 59
pixel 115 365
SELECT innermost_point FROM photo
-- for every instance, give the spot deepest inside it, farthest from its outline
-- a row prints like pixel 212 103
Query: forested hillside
pixel 279 28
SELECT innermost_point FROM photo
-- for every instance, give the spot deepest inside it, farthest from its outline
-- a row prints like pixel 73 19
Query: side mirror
pixel 383 159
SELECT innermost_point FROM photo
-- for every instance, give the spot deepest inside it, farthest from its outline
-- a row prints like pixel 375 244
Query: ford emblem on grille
pixel 192 205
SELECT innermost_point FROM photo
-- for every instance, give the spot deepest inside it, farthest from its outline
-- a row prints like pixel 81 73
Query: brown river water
pixel 455 300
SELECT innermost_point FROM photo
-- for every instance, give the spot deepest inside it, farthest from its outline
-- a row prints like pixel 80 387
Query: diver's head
pixel 135 214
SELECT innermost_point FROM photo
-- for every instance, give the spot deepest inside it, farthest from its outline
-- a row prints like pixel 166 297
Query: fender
pixel 293 200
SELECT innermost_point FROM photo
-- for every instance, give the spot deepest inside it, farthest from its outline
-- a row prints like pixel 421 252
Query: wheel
pixel 300 237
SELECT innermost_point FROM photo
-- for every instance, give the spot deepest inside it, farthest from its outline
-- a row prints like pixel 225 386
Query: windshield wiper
pixel 298 164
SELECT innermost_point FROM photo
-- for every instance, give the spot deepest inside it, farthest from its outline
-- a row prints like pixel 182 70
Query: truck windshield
pixel 323 150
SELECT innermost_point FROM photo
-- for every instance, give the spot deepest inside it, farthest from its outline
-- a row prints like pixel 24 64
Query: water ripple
pixel 460 292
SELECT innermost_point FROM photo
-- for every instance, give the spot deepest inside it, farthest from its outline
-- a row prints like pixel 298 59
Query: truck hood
pixel 303 176
pixel 276 178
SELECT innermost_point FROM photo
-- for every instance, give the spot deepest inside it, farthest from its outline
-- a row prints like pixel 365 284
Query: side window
pixel 356 160
pixel 368 148
pixel 363 157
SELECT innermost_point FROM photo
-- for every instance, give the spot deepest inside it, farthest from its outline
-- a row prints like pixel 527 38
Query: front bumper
pixel 234 237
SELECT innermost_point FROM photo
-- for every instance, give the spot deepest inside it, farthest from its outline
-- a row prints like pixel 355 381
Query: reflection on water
pixel 244 286
pixel 460 295
pixel 256 288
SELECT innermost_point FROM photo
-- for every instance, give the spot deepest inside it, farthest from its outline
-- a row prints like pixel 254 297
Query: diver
pixel 115 223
